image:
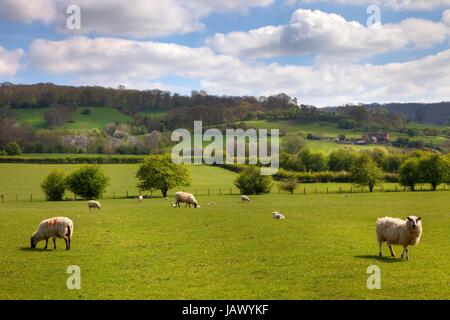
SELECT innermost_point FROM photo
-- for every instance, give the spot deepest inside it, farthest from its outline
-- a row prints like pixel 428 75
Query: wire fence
pixel 231 191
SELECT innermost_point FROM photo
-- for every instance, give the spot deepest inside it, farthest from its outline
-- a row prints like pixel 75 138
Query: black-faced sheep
pixel 60 227
pixel 397 231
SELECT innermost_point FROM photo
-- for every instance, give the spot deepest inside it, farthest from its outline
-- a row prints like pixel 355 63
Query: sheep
pixel 94 204
pixel 397 231
pixel 140 198
pixel 244 198
pixel 59 227
pixel 278 215
pixel 188 198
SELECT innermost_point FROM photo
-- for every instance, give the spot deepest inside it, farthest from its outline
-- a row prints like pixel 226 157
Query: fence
pixel 226 191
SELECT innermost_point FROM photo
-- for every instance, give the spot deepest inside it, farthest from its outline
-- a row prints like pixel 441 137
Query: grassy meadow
pixel 149 250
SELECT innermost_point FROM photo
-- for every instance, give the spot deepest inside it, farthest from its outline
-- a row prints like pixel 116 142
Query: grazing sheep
pixel 140 198
pixel 187 198
pixel 60 227
pixel 396 231
pixel 278 215
pixel 245 198
pixel 94 204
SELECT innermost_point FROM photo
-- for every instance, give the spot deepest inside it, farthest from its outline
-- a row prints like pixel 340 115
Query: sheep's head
pixel 33 242
pixel 196 204
pixel 413 222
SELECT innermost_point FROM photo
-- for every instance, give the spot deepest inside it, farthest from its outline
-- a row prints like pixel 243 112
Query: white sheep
pixel 244 198
pixel 278 215
pixel 92 204
pixel 397 231
pixel 187 198
pixel 59 227
pixel 140 198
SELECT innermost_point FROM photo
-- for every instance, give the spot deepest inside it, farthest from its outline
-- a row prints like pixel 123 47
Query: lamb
pixel 140 198
pixel 59 227
pixel 397 231
pixel 244 198
pixel 188 198
pixel 278 215
pixel 94 204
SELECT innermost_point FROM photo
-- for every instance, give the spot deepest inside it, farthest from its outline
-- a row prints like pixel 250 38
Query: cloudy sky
pixel 322 52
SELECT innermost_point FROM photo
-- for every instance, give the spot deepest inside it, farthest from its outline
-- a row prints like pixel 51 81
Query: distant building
pixel 376 138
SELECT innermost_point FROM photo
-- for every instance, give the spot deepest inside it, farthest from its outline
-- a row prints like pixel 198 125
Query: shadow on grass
pixel 28 249
pixel 381 259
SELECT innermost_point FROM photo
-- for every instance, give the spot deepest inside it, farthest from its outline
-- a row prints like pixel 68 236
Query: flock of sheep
pixel 393 231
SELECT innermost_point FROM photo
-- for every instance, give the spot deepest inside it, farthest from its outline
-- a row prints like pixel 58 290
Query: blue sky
pixel 323 53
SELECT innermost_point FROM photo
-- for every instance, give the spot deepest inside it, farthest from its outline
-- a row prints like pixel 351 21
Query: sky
pixel 324 53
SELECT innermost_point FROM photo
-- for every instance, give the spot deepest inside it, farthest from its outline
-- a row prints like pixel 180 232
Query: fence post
pixel 31 197
pixel 16 198
pixel 396 189
pixel 340 189
pixel 327 190
pixel 304 190
pixel 114 195
pixel 127 193
pixel 220 191
pixel 316 190
pixel 196 193
pixel 3 199
pixel 208 191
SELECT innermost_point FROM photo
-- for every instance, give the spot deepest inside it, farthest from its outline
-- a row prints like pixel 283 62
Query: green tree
pixel 88 182
pixel 13 149
pixel 54 186
pixel 365 172
pixel 341 160
pixel 433 169
pixel 159 172
pixel 289 185
pixel 293 144
pixel 409 173
pixel 250 181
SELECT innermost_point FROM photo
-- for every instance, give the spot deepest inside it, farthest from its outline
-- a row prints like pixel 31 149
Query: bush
pixel 88 182
pixel 54 186
pixel 13 149
pixel 250 181
pixel 289 185
pixel 86 112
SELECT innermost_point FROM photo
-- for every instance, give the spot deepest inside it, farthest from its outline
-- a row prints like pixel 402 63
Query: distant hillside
pixel 433 113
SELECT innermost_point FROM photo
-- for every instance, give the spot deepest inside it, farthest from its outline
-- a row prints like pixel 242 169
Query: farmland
pixel 149 250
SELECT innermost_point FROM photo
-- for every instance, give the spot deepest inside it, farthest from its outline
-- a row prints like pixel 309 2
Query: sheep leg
pixel 54 243
pixel 379 248
pixel 405 253
pixel 392 250
pixel 67 240
pixel 46 244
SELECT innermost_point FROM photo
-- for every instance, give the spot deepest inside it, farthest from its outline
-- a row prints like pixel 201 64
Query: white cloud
pixel 10 61
pixel 317 32
pixel 138 18
pixel 111 61
pixel 391 4
pixel 28 11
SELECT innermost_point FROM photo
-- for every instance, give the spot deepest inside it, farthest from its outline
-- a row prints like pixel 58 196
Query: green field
pixel 149 250
pixel 98 118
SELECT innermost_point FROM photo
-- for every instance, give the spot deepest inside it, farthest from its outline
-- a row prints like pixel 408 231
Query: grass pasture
pixel 149 250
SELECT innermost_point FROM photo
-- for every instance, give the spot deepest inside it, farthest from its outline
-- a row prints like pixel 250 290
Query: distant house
pixel 376 138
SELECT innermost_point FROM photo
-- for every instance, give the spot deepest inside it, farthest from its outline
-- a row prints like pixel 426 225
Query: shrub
pixel 13 149
pixel 250 181
pixel 86 112
pixel 365 172
pixel 88 182
pixel 54 186
pixel 289 185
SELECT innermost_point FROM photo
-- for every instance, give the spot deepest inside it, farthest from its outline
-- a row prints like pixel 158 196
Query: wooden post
pixel 208 191
pixel 220 191
pixel 196 193
pixel 316 190
pixel 340 189
pixel 304 190
pixel 396 189
pixel 3 199
pixel 16 198
pixel 114 195
pixel 327 190
pixel 31 197
pixel 231 192
pixel 127 193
